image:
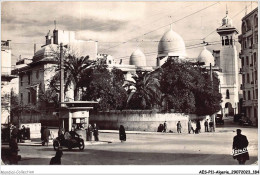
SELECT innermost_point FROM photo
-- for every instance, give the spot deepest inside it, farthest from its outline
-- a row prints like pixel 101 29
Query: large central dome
pixel 171 44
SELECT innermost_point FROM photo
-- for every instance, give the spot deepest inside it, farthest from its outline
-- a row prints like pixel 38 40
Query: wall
pixel 141 121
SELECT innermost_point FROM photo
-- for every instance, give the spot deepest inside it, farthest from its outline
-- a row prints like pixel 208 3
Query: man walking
pixel 179 127
pixel 95 132
pixel 240 144
pixel 206 124
pixel 189 126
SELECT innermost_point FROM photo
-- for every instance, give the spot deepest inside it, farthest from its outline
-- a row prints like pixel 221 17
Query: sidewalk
pixel 218 130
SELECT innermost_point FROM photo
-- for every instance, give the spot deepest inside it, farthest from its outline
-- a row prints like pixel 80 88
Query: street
pixel 151 149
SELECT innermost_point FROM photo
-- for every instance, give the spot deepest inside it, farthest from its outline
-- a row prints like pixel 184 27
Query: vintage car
pixel 67 141
pixel 219 119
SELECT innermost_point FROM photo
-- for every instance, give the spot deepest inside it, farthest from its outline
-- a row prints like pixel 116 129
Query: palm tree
pixel 146 92
pixel 74 70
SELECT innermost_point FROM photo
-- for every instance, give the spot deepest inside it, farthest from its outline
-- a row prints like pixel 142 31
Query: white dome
pixel 206 57
pixel 137 58
pixel 171 44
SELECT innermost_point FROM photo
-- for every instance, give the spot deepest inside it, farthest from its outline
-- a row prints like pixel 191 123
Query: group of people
pixel 208 125
pixel 19 133
pixel 163 127
pixel 92 130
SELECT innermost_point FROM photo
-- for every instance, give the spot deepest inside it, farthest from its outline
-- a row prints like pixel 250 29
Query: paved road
pixel 151 149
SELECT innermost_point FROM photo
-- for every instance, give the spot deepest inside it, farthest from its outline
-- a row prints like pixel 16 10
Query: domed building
pixel 171 44
pixel 137 58
pixel 206 57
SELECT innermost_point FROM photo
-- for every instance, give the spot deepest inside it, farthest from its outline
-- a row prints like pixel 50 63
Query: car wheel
pixel 81 145
pixel 56 145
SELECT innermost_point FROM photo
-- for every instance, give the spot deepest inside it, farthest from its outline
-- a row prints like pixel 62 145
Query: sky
pixel 119 27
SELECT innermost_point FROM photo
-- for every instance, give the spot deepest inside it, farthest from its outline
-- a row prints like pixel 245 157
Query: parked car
pixel 219 119
pixel 238 117
pixel 245 122
pixel 68 142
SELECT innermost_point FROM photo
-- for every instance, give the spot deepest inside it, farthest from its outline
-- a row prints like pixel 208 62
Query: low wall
pixel 142 121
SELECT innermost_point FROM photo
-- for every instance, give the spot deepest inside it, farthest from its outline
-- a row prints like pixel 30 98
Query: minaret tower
pixel 229 85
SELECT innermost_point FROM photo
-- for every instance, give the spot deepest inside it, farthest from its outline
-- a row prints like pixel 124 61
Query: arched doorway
pixel 229 110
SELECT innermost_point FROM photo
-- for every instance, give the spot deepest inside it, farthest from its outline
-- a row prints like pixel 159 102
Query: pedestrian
pixel 14 132
pixel 19 136
pixel 13 146
pixel 240 142
pixel 165 127
pixel 211 126
pixel 46 135
pixel 189 126
pixel 179 127
pixel 41 131
pixel 60 132
pixel 198 127
pixel 95 130
pixel 56 160
pixel 23 132
pixel 206 125
pixel 89 132
pixel 122 135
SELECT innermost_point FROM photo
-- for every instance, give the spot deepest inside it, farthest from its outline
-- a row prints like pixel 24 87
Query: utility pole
pixel 211 80
pixel 61 81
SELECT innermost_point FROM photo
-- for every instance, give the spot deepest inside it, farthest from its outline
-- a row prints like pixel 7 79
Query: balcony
pixel 255 46
pixel 242 87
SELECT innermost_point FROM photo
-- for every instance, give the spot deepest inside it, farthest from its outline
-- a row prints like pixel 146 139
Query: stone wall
pixel 142 121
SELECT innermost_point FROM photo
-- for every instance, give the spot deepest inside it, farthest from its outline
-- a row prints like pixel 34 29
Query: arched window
pixel 226 41
pixel 227 94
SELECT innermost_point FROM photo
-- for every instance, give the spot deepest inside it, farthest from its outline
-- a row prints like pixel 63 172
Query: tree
pixel 208 98
pixel 146 91
pixel 105 87
pixel 188 89
pixel 74 71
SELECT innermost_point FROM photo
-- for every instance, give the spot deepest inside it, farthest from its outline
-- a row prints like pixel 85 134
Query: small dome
pixel 206 57
pixel 171 44
pixel 137 58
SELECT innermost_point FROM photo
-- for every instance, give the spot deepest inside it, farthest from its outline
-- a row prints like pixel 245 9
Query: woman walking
pixel 122 135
